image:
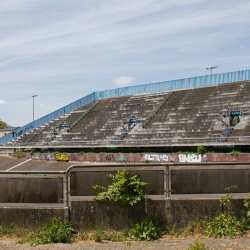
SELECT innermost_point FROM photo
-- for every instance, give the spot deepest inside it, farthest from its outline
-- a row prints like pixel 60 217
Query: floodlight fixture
pixel 211 68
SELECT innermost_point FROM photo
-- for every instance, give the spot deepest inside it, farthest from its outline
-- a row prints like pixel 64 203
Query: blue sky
pixel 64 50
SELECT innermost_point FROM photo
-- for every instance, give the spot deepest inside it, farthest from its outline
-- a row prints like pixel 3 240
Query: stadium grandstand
pixel 207 110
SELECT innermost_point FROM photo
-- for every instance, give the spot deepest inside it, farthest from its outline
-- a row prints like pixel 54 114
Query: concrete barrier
pixel 30 218
pixel 91 215
pixel 31 190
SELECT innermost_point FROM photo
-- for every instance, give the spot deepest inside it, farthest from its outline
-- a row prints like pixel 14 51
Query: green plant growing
pixel 125 188
pixel 246 214
pixel 146 161
pixel 145 231
pixel 2 124
pixel 198 246
pixel 225 224
pixel 201 149
pixel 8 230
pixel 235 121
pixel 99 234
pixel 55 231
pixel 32 151
pixel 235 152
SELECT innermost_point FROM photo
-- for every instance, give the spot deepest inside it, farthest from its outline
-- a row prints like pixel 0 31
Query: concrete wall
pixel 207 181
pixel 199 81
pixel 81 183
pixel 30 218
pixel 140 157
pixel 90 215
pixel 31 190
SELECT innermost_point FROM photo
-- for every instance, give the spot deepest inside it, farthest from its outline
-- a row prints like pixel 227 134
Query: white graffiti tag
pixel 189 158
pixel 155 157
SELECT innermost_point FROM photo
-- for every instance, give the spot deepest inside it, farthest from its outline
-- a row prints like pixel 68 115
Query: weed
pixel 146 161
pixel 99 234
pixel 225 224
pixel 145 231
pixel 55 231
pixel 201 149
pixel 198 246
pixel 245 220
pixel 235 152
pixel 126 188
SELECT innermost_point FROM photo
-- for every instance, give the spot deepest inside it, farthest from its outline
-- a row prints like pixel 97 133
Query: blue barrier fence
pixel 199 81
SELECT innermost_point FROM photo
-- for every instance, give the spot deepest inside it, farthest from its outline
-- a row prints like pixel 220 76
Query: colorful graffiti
pixel 62 157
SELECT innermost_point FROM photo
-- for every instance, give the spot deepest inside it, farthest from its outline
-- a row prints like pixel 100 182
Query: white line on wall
pixel 18 165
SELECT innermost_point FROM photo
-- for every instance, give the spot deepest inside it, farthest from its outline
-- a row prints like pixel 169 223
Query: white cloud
pixel 242 47
pixel 2 102
pixel 41 105
pixel 123 81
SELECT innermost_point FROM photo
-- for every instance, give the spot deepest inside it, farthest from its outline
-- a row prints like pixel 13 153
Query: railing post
pixel 167 186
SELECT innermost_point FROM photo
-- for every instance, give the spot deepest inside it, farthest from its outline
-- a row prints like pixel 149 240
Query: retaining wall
pixel 90 215
pixel 137 157
pixel 30 218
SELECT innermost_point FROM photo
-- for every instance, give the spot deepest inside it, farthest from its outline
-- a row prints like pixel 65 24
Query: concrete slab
pixel 7 162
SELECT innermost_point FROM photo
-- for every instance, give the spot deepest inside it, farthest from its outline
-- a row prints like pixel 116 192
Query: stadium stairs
pixel 188 113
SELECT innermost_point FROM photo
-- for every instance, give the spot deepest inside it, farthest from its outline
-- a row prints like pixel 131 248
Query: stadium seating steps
pixel 186 113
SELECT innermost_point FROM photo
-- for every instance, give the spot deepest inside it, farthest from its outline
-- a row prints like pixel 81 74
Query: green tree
pixel 2 124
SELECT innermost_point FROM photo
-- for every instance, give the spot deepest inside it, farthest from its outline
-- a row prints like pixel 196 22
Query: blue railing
pixel 198 81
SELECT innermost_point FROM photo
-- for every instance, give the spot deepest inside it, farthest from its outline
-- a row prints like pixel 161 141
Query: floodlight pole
pixel 211 68
pixel 34 107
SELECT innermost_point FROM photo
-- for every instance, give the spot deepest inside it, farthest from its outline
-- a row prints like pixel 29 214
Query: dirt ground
pixel 164 243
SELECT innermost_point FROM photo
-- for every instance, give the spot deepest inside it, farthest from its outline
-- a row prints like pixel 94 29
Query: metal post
pixel 167 186
pixel 34 107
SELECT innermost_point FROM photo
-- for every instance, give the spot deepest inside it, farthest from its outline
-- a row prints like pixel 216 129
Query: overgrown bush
pixel 201 149
pixel 125 188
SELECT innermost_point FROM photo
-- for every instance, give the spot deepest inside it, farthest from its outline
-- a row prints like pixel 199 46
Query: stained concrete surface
pixel 182 243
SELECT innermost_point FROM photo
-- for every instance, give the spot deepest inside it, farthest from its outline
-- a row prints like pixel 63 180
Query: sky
pixel 64 50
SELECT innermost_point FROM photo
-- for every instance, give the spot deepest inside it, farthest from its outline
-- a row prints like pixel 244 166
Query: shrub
pixel 235 152
pixel 201 149
pixel 225 224
pixel 198 246
pixel 125 188
pixel 145 231
pixel 55 231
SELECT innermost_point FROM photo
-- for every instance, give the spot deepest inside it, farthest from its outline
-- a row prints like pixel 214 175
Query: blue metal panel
pixel 133 90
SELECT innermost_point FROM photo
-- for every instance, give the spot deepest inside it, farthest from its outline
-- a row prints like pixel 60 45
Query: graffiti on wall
pixel 189 158
pixel 156 157
pixel 120 157
pixel 23 131
pixel 45 157
pixel 62 157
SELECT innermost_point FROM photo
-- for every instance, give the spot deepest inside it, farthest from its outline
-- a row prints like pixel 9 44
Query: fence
pixel 199 81
pixel 164 179
pixel 214 140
